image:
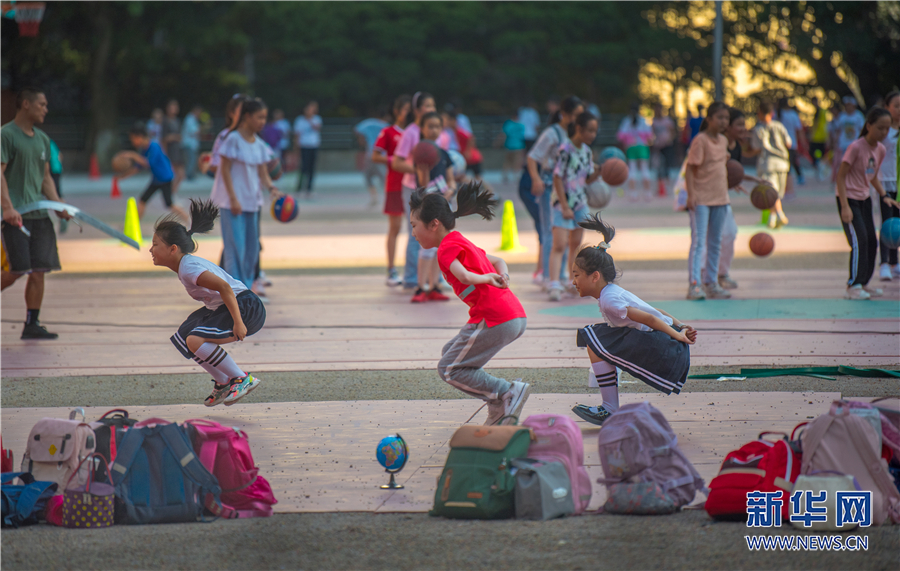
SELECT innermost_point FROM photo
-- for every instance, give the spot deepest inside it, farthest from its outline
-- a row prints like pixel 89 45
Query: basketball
pixel 204 165
pixel 890 233
pixel 275 169
pixel 425 153
pixel 598 194
pixel 614 172
pixel 763 196
pixel 459 163
pixel 735 173
pixel 121 162
pixel 762 244
pixel 284 209
pixel 610 153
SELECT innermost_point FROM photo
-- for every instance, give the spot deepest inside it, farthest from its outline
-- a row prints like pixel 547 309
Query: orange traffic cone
pixel 114 192
pixel 661 191
pixel 94 168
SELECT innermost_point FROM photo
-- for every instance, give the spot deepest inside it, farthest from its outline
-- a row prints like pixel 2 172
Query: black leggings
pixel 888 256
pixel 307 168
pixel 862 239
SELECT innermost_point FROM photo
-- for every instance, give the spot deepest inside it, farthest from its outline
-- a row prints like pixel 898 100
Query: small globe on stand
pixel 392 453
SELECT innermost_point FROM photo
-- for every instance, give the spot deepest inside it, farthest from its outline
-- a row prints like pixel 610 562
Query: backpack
pixel 225 452
pixel 6 461
pixel 105 433
pixel 55 449
pixel 23 504
pixel 158 479
pixel 476 482
pixel 847 443
pixel 637 444
pixel 758 466
pixel 558 439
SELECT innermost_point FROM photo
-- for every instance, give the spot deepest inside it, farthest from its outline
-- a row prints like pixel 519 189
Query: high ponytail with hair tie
pixel 596 258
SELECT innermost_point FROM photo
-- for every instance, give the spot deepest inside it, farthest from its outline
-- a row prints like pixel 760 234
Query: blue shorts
pixel 560 222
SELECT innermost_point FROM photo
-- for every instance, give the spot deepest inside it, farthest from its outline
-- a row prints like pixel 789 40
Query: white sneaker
pixel 857 292
pixel 264 279
pixel 715 291
pixel 495 412
pixel 514 399
pixel 556 292
pixel 874 291
pixel 886 275
pixel 896 271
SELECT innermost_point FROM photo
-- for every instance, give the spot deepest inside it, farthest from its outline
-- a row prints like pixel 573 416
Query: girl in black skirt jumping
pixel 645 341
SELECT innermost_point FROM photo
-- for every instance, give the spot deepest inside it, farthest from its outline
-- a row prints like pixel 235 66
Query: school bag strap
pixel 31 493
pixel 126 452
pixel 178 444
pixel 876 466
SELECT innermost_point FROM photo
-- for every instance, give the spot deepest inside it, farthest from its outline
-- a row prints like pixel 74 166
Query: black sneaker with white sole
pixel 37 331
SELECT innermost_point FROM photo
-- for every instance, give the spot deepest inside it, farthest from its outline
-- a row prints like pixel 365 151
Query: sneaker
pixel 874 291
pixel 715 291
pixel 782 219
pixel 420 296
pixel 896 271
pixel 495 412
pixel 37 331
pixel 393 278
pixel 241 388
pixel 886 275
pixel 514 399
pixel 856 292
pixel 727 283
pixel 436 295
pixel 593 414
pixel 773 221
pixel 219 392
pixel 258 287
pixel 556 292
pixel 537 278
pixel 695 292
pixel 266 282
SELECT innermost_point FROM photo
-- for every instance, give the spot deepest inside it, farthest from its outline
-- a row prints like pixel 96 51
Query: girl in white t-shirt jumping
pixel 645 341
pixel 230 311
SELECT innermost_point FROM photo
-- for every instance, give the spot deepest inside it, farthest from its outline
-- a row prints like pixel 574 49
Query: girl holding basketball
pixel 889 167
pixel 383 153
pixel 859 169
pixel 421 104
pixel 230 311
pixel 645 341
pixel 574 170
pixel 436 178
pixel 706 181
pixel 237 191
pixel 496 318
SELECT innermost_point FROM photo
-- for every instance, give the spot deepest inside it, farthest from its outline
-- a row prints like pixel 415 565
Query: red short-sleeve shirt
pixel 387 141
pixel 486 302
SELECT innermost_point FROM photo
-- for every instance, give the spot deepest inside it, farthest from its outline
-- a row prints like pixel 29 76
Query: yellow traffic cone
pixel 509 231
pixel 132 222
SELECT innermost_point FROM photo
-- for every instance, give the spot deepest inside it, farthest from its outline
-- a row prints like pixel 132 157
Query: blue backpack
pixel 24 504
pixel 158 478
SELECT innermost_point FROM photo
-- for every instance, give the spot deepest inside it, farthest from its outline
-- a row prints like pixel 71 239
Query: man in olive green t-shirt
pixel 29 240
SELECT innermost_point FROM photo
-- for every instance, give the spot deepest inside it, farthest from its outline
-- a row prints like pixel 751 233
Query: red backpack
pixel 225 452
pixel 758 466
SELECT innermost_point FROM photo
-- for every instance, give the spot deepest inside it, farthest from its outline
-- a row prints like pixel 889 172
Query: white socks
pixel 608 380
pixel 218 363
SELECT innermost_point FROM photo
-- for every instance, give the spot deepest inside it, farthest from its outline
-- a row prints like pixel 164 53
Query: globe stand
pixel 392 484
pixel 389 442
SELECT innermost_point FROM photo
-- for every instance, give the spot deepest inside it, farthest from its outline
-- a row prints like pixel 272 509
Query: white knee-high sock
pixel 213 356
pixel 608 380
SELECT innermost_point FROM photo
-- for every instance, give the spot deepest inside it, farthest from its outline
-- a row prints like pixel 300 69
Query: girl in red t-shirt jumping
pixel 496 318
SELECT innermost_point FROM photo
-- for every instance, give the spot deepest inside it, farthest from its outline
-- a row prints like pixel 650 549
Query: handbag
pixel 92 504
pixel 543 489
pixel 831 483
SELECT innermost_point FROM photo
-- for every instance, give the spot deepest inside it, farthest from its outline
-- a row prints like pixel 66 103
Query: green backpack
pixel 475 482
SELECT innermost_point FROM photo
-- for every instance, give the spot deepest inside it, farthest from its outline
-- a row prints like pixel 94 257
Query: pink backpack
pixel 225 452
pixel 846 443
pixel 557 438
pixel 637 444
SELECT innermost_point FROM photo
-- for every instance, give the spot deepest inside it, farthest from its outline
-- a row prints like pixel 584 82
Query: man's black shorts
pixel 165 187
pixel 35 253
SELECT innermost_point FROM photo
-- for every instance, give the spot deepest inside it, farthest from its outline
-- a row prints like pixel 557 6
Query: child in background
pixel 496 318
pixel 647 342
pixel 859 168
pixel 706 181
pixel 154 125
pixel 635 135
pixel 383 153
pixel 436 179
pixel 888 174
pixel 771 143
pixel 513 140
pixel 56 170
pixel 230 311
pixel 574 170
pixel 150 155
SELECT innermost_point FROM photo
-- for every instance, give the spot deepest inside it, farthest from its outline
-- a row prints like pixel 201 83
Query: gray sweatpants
pixel 463 357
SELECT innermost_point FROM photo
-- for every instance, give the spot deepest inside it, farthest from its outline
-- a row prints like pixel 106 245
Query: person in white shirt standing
pixel 888 175
pixel 529 117
pixel 308 136
pixel 788 117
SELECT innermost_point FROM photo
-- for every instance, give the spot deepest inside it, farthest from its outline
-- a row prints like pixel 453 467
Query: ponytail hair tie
pixel 602 246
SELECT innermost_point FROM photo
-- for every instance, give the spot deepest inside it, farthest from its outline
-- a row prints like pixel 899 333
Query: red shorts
pixel 393 203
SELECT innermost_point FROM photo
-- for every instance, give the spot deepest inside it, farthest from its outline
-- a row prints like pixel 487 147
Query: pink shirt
pixel 864 161
pixel 411 136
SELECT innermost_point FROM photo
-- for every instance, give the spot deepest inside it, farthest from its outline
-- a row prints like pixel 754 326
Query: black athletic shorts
pixel 218 324
pixel 165 187
pixel 35 253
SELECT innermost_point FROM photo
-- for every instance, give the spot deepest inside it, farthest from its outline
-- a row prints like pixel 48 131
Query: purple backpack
pixel 558 439
pixel 637 444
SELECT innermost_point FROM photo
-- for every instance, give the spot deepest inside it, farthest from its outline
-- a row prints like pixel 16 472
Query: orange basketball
pixel 735 173
pixel 614 172
pixel 762 244
pixel 763 196
pixel 121 162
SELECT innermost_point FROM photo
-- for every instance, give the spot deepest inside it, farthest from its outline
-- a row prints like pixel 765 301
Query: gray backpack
pixel 543 489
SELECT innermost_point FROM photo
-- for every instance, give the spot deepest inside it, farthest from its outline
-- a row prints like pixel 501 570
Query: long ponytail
pixel 472 198
pixel 203 219
pixel 596 258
